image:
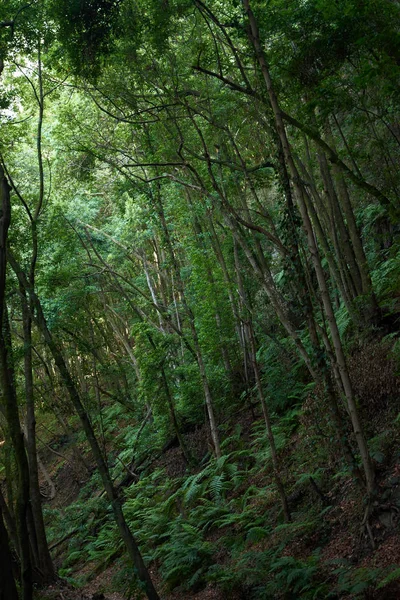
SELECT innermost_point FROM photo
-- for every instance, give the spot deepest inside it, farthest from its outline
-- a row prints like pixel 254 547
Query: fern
pixel 193 487
pixel 256 534
pixel 297 577
pixel 216 487
pixel 356 581
pixel 185 555
pixel 232 440
pixel 207 514
pixel 305 477
pixel 394 575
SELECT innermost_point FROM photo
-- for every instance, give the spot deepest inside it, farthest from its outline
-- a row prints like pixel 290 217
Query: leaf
pixel 392 576
pixel 255 534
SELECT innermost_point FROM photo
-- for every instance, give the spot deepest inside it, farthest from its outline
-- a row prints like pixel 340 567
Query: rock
pixel 386 518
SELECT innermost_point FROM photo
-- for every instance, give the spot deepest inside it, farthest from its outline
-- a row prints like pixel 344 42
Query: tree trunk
pixel 8 590
pixel 9 521
pixel 229 285
pixel 299 194
pixel 10 399
pixel 45 563
pixel 267 419
pixel 126 534
pixel 198 353
pixel 339 227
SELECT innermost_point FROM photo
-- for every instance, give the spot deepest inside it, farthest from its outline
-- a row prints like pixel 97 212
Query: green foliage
pixel 102 547
pixel 386 276
pixel 146 163
pixel 357 581
pixel 85 30
pixel 304 477
pixel 297 577
pixel 379 445
pixel 215 480
pixel 394 575
pixel 185 556
pixel 282 429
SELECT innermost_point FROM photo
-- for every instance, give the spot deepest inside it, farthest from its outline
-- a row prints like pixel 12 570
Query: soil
pixel 341 537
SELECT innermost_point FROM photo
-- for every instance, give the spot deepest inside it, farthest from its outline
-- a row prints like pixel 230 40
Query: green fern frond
pixel 256 534
pixel 392 576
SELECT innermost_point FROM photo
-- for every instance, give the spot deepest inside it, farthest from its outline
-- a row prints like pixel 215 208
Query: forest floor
pixel 343 543
pixel 340 537
pixel 68 477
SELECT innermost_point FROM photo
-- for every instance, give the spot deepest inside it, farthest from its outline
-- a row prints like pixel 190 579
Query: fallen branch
pixel 64 539
pixel 53 451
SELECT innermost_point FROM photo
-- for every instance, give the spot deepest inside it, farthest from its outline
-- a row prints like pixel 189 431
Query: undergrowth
pixel 221 525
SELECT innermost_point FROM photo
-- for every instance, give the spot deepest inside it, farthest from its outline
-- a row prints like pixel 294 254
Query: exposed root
pixel 365 525
pixel 377 509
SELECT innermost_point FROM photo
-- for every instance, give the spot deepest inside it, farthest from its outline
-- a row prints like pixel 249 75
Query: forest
pixel 199 299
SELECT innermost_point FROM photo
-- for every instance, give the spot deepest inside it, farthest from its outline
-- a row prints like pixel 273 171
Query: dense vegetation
pixel 199 297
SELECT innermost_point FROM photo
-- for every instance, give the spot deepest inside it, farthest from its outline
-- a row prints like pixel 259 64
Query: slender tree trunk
pixel 174 420
pixel 299 194
pixel 10 399
pixel 8 453
pixel 339 225
pixel 45 563
pixel 268 424
pixel 125 343
pixel 47 478
pixel 8 590
pixel 14 426
pixel 233 304
pixel 200 239
pixel 355 236
pixel 126 534
pixel 244 333
pixel 333 268
pixel 198 352
pixel 9 521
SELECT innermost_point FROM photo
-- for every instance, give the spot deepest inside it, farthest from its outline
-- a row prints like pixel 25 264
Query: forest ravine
pixel 199 299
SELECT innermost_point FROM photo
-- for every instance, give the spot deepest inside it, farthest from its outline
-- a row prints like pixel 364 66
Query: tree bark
pixel 9 522
pixel 299 194
pixel 10 399
pixel 268 424
pixel 8 589
pixel 126 534
pixel 198 352
pixel 45 563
